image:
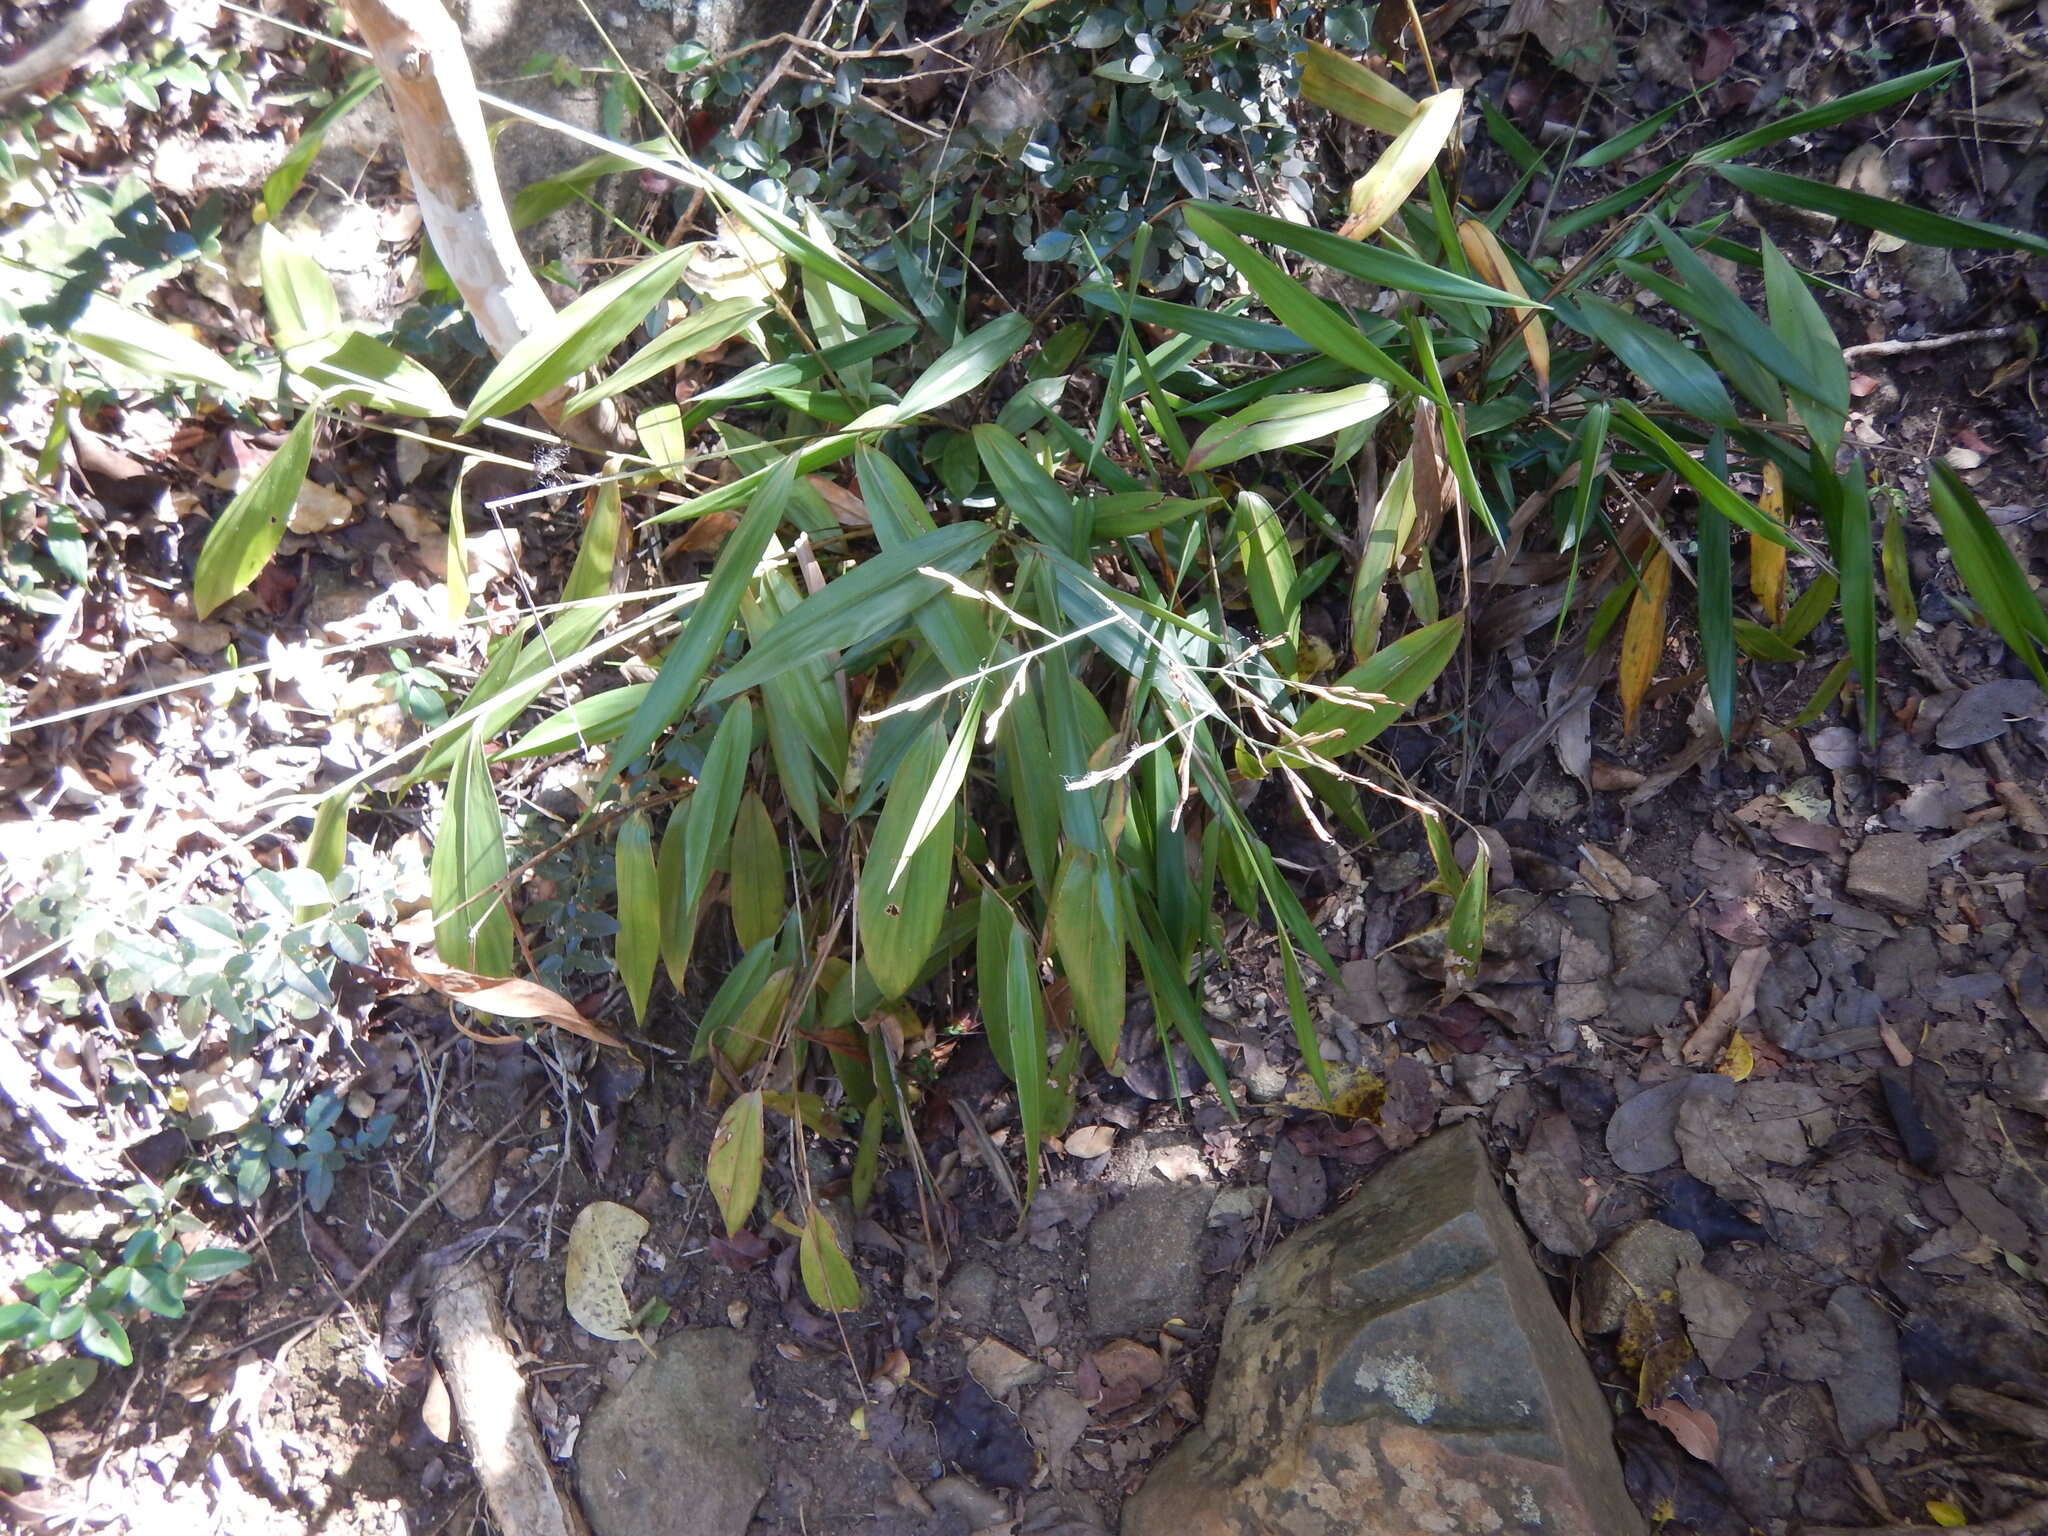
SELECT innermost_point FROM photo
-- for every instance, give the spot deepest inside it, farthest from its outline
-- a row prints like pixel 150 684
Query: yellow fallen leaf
pixel 1340 84
pixel 602 1244
pixel 1490 260
pixel 1945 1514
pixel 1739 1060
pixel 1642 642
pixel 1379 193
pixel 1767 560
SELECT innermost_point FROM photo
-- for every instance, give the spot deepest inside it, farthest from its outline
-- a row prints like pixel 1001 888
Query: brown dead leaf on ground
pixel 515 999
pixel 1734 1006
pixel 1692 1428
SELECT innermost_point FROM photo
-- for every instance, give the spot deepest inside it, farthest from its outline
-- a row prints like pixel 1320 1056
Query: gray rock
pixel 1865 1385
pixel 1890 871
pixel 1397 1368
pixel 1144 1258
pixel 674 1451
pixel 1657 963
pixel 971 1296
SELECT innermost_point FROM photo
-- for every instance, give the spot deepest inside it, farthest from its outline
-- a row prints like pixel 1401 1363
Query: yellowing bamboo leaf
pixel 639 910
pixel 1767 560
pixel 1379 193
pixel 602 1245
pixel 734 1164
pixel 1947 1515
pixel 747 1039
pixel 1642 641
pixel 1340 84
pixel 828 1279
pixel 756 883
pixel 1490 260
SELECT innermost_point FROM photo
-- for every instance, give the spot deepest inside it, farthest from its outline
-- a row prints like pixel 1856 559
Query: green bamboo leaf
pixel 590 721
pixel 829 1279
pixel 1034 498
pixel 899 918
pixel 1088 939
pixel 598 550
pixel 154 351
pixel 1566 225
pixel 696 836
pixel 966 366
pixel 245 536
pixel 353 368
pixel 327 846
pixel 1851 542
pixel 577 338
pixel 1989 571
pixel 1898 574
pixel 1829 690
pixel 790 373
pixel 1714 571
pixel 1013 1012
pixel 1664 363
pixel 1814 604
pixel 1449 878
pixel 1796 315
pixel 1712 304
pixel 936 808
pixel 1285 421
pixel 1225 327
pixel 708 326
pixel 1919 225
pixel 1340 84
pixel 1764 644
pixel 711 622
pixel 1347 717
pixel 639 910
pixel 1268 564
pixel 756 893
pixel 1172 999
pixel 1709 485
pixel 1465 936
pixel 290 174
pixel 1309 317
pixel 733 1165
pixel 1368 263
pixel 809 253
pixel 865 604
pixel 1873 98
pixel 297 292
pixel 1629 140
pixel 472 926
pixel 1393 519
pixel 740 995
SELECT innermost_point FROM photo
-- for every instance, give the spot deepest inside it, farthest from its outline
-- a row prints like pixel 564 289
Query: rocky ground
pixel 1760 1048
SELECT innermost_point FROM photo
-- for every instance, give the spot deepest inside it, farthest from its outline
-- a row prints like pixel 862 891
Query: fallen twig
pixel 1927 343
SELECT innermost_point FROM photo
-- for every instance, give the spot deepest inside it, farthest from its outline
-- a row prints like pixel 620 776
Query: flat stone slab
pixel 674 1450
pixel 1398 1368
pixel 1143 1258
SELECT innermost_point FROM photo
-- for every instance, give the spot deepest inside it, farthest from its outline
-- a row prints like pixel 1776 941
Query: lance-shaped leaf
pixel 472 927
pixel 900 915
pixel 1378 195
pixel 245 536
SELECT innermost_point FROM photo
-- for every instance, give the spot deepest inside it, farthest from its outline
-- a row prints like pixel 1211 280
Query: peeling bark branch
pixel 61 49
pixel 418 51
